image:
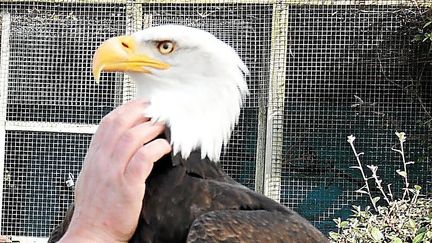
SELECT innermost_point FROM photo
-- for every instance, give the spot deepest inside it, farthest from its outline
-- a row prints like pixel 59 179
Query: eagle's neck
pixel 200 116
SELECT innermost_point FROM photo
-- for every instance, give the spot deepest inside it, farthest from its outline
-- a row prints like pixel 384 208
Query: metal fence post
pixel 275 112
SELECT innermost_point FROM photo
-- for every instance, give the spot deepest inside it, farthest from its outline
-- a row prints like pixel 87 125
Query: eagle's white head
pixel 195 83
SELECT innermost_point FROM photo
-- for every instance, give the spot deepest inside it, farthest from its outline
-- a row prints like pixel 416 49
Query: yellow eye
pixel 165 47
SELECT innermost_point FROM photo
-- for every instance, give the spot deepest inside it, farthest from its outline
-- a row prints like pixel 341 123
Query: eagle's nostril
pixel 124 44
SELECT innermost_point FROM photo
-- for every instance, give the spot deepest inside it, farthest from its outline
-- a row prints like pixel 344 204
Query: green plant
pixel 408 219
pixel 424 27
pixel 427 36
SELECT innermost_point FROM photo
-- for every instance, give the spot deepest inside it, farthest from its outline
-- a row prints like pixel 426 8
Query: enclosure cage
pixel 320 70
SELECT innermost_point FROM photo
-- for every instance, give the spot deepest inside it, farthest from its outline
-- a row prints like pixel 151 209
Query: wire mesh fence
pixel 320 70
pixel 51 47
pixel 351 70
pixel 35 193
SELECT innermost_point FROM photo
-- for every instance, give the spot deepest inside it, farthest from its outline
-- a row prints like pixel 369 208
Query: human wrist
pixel 71 238
pixel 84 234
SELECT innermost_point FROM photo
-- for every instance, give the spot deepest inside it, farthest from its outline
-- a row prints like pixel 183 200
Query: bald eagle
pixel 196 85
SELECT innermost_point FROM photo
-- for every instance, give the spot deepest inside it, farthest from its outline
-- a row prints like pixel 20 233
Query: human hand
pixel 111 185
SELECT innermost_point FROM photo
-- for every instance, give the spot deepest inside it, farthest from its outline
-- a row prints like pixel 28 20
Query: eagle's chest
pixel 173 199
pixel 178 194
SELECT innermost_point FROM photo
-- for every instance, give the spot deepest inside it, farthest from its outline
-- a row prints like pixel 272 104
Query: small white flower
pixel 401 136
pixel 351 139
pixel 373 168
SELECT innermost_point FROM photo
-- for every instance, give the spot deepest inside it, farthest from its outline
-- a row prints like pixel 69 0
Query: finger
pixel 108 119
pixel 131 140
pixel 141 163
pixel 119 120
pixel 101 139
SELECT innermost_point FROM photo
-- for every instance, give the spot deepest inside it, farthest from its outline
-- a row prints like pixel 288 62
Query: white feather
pixel 199 97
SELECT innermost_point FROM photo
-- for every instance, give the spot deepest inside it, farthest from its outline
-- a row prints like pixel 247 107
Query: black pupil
pixel 165 46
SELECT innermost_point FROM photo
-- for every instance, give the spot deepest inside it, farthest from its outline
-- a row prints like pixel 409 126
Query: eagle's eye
pixel 165 47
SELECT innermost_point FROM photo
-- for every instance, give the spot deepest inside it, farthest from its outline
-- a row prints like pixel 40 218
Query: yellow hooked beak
pixel 120 54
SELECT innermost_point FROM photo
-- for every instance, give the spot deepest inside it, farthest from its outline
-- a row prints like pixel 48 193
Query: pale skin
pixel 111 186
